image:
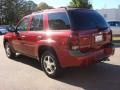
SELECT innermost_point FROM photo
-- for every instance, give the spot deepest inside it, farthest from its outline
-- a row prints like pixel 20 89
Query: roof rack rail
pixel 64 7
pixel 37 12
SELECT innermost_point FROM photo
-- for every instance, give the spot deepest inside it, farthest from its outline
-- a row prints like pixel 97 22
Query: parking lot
pixel 24 73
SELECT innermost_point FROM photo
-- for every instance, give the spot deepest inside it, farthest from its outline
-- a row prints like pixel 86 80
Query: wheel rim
pixel 8 52
pixel 49 64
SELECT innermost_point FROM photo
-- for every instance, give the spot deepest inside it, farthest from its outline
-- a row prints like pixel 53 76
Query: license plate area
pixel 98 38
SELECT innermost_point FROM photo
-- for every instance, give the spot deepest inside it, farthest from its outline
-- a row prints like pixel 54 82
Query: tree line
pixel 11 11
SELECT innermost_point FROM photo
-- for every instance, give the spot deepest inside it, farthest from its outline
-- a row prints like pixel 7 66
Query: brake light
pixel 110 33
pixel 109 36
pixel 74 41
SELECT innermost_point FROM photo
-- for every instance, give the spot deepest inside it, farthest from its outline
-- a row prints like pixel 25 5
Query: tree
pixel 13 10
pixel 30 7
pixel 80 4
pixel 2 11
pixel 43 6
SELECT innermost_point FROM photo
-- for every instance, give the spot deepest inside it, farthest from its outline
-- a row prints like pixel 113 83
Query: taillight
pixel 110 33
pixel 74 41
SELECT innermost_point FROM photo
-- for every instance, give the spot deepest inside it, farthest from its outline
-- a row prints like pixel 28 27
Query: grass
pixel 116 41
pixel 116 38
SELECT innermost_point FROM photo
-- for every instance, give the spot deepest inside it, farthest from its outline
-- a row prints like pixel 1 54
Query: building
pixel 110 14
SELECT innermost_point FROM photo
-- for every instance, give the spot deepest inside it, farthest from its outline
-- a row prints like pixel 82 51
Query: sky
pixel 97 4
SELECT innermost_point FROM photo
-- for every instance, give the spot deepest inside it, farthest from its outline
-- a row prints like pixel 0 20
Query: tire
pixel 50 64
pixel 9 52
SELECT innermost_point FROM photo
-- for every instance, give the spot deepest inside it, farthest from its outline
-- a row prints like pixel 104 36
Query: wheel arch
pixel 43 48
pixel 5 40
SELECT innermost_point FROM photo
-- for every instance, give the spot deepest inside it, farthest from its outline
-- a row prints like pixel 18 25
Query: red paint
pixel 45 18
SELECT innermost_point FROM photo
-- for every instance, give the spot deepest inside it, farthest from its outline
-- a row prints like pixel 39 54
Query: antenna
pixel 37 12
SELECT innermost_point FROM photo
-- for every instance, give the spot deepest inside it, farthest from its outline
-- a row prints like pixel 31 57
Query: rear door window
pixel 37 23
pixel 58 21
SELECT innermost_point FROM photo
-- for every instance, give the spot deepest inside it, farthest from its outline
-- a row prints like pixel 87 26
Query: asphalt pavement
pixel 24 73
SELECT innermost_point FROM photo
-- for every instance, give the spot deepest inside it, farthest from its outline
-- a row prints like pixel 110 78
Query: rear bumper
pixel 68 60
pixel 78 53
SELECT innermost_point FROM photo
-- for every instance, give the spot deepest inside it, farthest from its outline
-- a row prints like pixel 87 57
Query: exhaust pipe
pixel 104 59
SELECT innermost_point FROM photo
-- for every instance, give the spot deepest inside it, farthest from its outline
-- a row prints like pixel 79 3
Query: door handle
pixel 23 37
pixel 39 37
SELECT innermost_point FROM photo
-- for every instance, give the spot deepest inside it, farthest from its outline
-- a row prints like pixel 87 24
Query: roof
pixel 59 10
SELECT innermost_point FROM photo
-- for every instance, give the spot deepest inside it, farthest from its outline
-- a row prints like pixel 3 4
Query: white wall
pixel 110 14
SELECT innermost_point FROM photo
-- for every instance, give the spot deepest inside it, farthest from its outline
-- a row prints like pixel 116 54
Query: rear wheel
pixel 50 64
pixel 9 52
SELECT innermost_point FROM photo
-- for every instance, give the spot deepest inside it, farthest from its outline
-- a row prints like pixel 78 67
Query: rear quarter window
pixel 58 21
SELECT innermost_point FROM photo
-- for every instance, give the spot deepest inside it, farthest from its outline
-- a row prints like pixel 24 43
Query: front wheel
pixel 50 64
pixel 8 50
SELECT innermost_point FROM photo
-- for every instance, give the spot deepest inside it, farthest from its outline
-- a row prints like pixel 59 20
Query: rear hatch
pixel 94 40
pixel 91 28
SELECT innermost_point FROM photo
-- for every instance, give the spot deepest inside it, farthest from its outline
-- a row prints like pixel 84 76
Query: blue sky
pixel 97 4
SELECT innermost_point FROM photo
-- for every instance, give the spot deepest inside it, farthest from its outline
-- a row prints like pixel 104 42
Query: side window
pixel 22 26
pixel 37 23
pixel 58 21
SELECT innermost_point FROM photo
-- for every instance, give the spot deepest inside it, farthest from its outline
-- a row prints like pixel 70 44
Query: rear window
pixel 86 19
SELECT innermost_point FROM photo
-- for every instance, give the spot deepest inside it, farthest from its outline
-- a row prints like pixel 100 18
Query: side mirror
pixel 11 28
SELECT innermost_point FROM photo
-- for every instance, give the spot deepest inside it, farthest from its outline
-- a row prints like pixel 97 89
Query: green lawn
pixel 116 38
pixel 116 41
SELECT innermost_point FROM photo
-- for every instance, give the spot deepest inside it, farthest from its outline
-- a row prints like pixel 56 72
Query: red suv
pixel 60 38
